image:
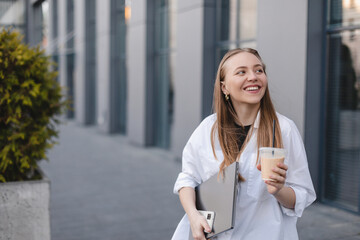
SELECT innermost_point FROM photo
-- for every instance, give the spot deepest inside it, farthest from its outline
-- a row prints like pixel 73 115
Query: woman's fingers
pixel 280 171
pixel 283 166
pixel 205 225
pixel 277 179
pixel 258 167
pixel 277 184
pixel 201 226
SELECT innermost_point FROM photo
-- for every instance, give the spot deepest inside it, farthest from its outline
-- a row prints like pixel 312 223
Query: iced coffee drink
pixel 269 158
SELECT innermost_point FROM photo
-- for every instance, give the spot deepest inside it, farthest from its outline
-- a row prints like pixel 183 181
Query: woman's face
pixel 245 81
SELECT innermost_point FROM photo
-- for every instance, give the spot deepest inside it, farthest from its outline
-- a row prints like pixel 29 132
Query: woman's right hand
pixel 197 221
pixel 198 225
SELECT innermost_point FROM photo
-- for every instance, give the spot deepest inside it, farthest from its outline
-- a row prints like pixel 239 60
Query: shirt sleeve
pixel 298 175
pixel 190 175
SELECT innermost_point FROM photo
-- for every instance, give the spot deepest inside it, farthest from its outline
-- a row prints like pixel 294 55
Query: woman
pixel 243 123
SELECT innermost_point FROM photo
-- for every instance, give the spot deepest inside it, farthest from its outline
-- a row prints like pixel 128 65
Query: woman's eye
pixel 241 72
pixel 259 71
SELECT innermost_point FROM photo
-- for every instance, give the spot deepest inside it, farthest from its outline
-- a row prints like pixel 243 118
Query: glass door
pixel 118 67
pixel 341 181
pixel 163 90
pixel 90 62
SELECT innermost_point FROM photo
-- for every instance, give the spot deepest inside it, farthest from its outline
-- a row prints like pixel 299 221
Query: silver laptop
pixel 218 194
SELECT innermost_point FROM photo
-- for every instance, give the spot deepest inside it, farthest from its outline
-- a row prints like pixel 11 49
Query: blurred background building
pixel 146 69
pixel 28 17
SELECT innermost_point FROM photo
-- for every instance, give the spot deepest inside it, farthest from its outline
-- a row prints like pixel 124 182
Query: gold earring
pixel 227 97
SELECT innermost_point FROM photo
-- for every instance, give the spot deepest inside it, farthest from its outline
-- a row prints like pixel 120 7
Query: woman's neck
pixel 247 113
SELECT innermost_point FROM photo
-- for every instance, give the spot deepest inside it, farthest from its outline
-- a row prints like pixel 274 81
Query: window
pixel 54 19
pixel 162 89
pixel 12 14
pixel 90 62
pixel 54 33
pixel 38 26
pixel 342 141
pixel 118 67
pixel 38 20
pixel 343 13
pixel 70 57
pixel 235 25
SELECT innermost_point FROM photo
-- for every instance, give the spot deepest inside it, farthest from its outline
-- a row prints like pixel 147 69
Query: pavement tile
pixel 102 187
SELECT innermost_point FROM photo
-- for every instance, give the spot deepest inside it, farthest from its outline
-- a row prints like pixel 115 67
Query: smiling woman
pixel 239 70
pixel 242 123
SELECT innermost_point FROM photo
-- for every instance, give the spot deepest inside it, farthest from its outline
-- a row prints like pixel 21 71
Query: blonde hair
pixel 226 118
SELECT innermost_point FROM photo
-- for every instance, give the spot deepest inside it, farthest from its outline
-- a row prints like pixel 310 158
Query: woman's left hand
pixel 278 182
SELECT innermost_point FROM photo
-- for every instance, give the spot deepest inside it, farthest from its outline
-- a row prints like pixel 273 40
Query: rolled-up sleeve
pixel 303 199
pixel 298 175
pixel 189 176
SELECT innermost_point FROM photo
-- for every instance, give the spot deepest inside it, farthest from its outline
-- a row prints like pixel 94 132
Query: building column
pixel 282 45
pixel 33 21
pixel 51 38
pixel 61 44
pixel 314 122
pixel 136 64
pixel 103 64
pixel 79 46
pixel 188 72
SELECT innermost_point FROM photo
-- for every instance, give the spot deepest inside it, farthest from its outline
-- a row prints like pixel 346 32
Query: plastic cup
pixel 269 158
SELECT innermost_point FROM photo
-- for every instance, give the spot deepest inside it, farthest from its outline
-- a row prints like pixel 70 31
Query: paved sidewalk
pixel 104 188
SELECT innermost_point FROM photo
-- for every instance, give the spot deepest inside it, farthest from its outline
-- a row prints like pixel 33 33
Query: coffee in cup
pixel 269 158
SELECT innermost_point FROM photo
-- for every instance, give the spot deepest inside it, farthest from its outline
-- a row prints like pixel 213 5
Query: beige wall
pixel 79 46
pixel 103 64
pixel 61 42
pixel 188 72
pixel 281 41
pixel 136 78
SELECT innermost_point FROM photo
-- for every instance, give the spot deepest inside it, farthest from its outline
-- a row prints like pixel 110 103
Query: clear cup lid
pixel 270 152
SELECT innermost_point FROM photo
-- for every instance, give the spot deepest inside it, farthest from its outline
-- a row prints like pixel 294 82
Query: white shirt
pixel 258 214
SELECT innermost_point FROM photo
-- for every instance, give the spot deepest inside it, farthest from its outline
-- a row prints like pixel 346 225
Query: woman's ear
pixel 223 88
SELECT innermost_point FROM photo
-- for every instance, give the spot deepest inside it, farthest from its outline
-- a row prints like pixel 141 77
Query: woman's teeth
pixel 252 88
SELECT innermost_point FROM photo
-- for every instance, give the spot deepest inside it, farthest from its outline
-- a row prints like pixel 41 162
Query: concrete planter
pixel 24 210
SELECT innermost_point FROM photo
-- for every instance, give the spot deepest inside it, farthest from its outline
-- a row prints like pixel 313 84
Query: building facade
pixel 29 17
pixel 146 69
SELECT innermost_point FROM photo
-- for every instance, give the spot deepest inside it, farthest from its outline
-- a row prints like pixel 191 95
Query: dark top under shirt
pixel 242 133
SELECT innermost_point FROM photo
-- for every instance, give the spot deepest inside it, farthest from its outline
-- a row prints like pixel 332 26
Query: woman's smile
pixel 252 88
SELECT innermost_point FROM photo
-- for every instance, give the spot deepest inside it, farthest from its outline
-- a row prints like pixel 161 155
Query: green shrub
pixel 30 102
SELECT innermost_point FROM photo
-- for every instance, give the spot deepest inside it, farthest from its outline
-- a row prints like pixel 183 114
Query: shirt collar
pixel 257 120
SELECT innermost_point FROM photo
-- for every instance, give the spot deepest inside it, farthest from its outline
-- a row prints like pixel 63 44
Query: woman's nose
pixel 252 76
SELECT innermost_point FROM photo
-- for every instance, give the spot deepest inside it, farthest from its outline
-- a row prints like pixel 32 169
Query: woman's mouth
pixel 252 88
